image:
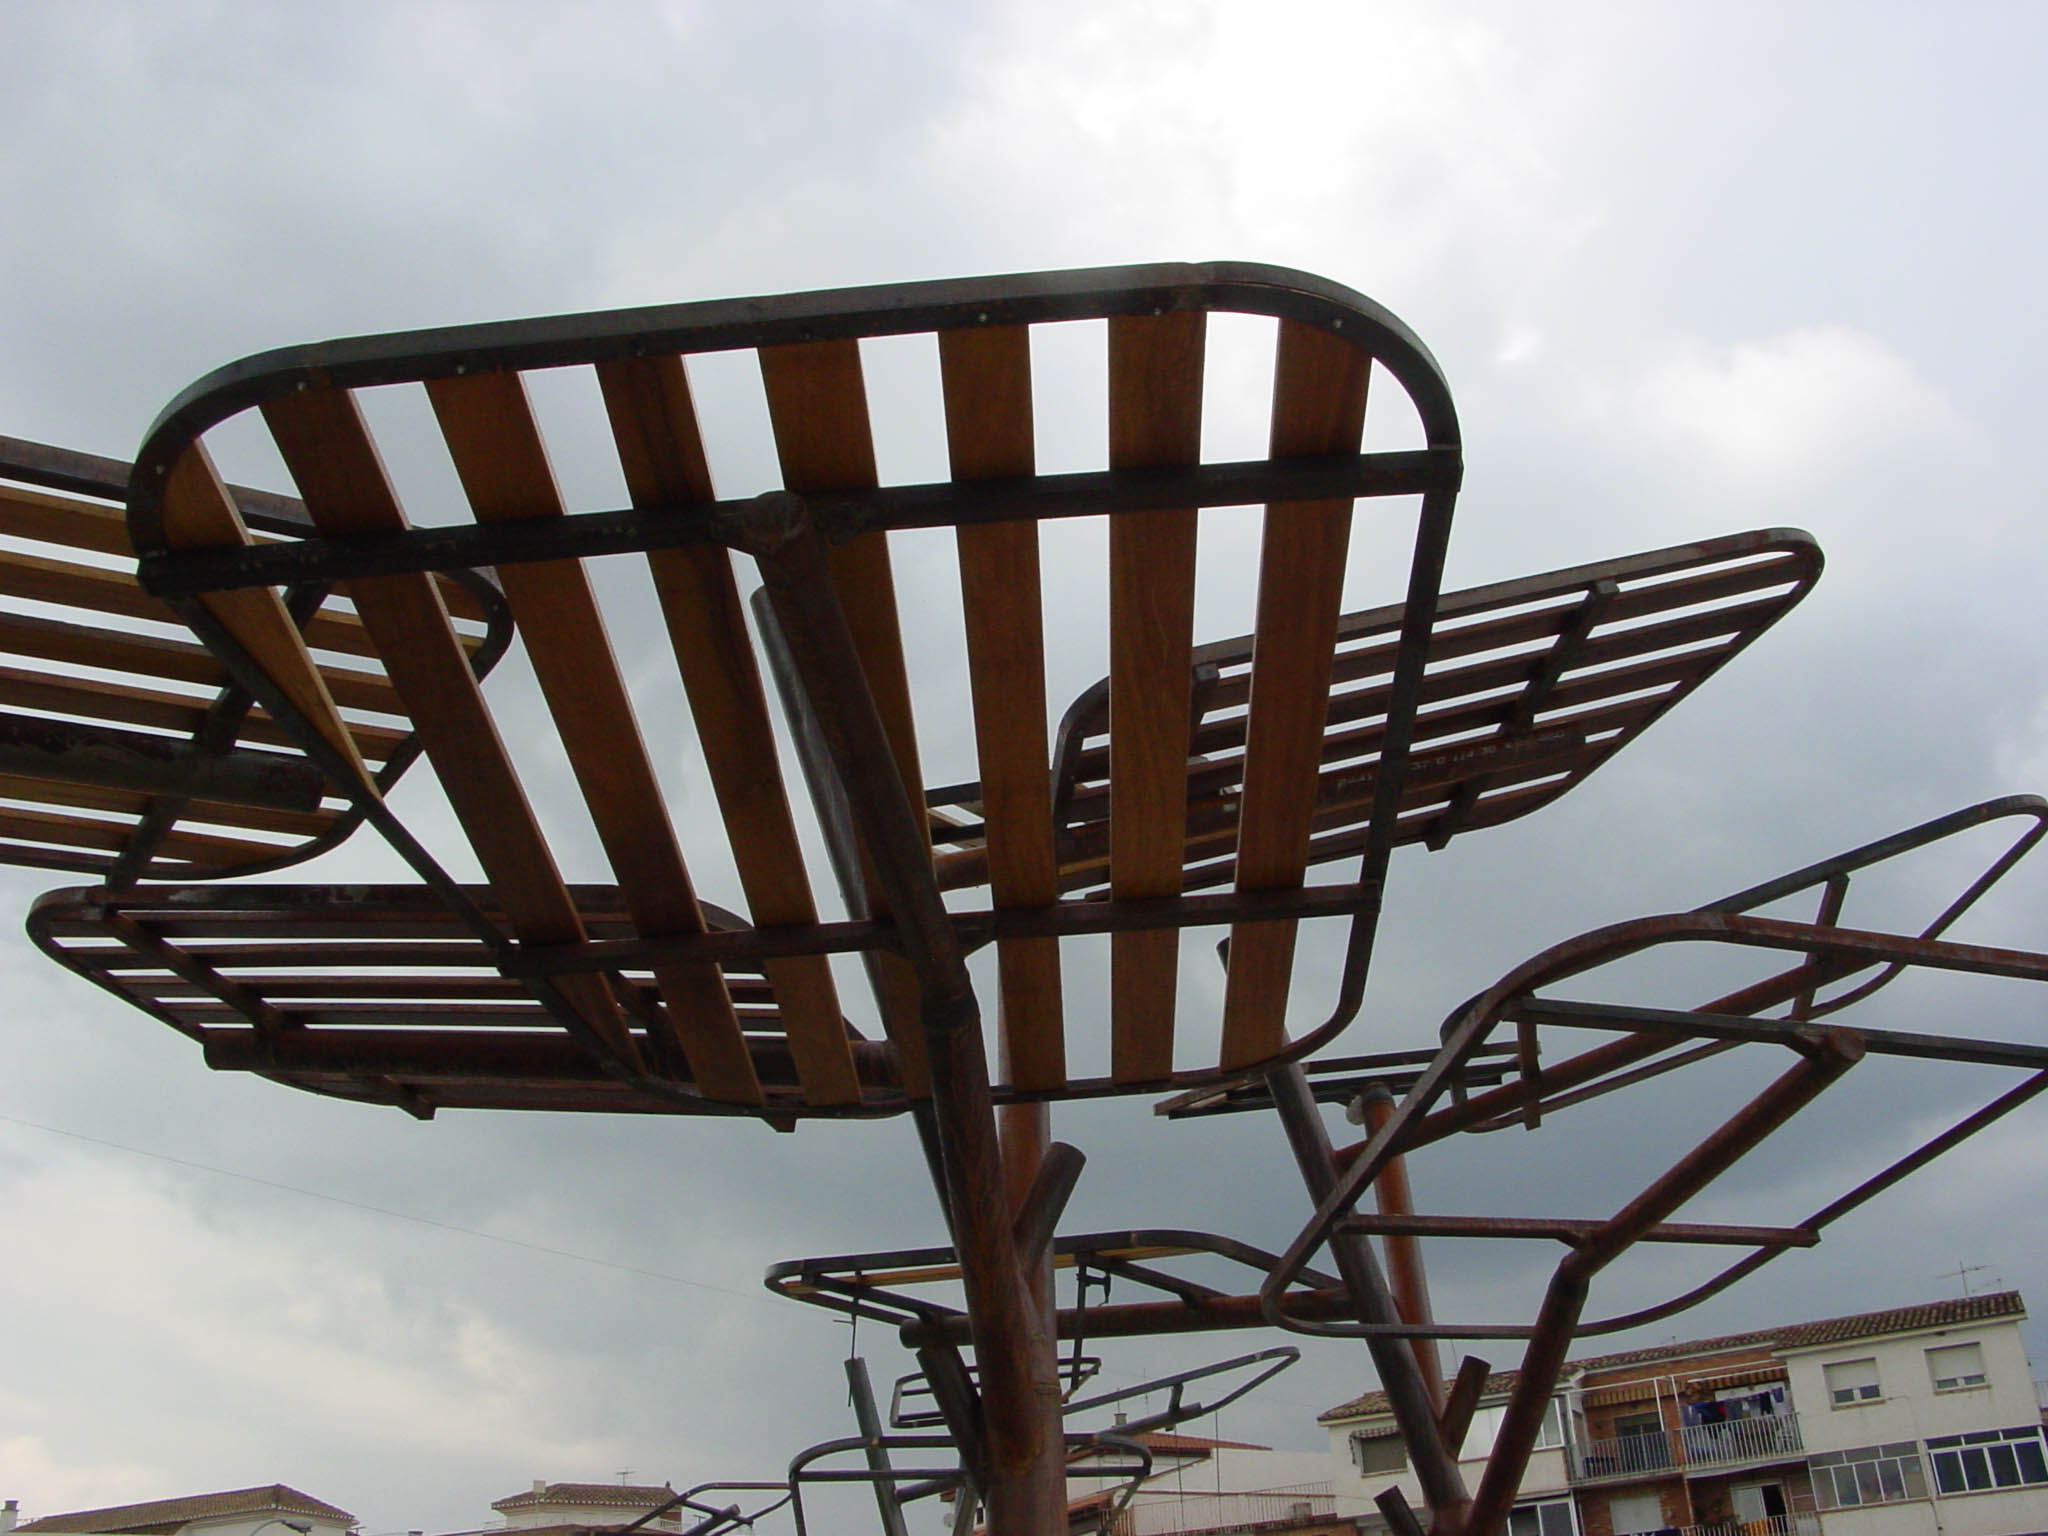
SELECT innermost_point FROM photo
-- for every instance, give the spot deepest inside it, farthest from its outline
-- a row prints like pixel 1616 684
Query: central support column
pixel 1024 1478
pixel 1404 1254
pixel 1038 1501
pixel 1400 1372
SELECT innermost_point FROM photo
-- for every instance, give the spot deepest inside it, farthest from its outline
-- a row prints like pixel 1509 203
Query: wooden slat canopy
pixel 822 543
pixel 383 995
pixel 1530 685
pixel 1531 698
pixel 1194 788
pixel 126 750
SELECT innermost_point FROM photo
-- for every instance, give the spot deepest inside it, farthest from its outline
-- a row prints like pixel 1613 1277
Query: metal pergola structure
pixel 1245 788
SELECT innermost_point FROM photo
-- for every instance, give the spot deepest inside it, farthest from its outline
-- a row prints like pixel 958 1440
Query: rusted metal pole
pixel 887 1505
pixel 1037 1497
pixel 1149 1319
pixel 1830 1053
pixel 1019 1365
pixel 1463 1401
pixel 1415 1411
pixel 1404 1252
pixel 1481 1107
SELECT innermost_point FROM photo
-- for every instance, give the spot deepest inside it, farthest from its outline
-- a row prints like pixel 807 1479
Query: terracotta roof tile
pixel 1829 1330
pixel 620 1495
pixel 1931 1314
pixel 1158 1441
pixel 169 1514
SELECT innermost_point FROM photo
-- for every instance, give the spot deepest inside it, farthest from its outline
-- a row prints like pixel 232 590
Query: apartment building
pixel 1919 1421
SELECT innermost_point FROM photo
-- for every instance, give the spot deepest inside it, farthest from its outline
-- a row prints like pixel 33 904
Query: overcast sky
pixel 1690 269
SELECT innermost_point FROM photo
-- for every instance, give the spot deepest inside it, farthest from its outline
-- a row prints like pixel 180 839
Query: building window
pixel 1851 1382
pixel 1551 1433
pixel 1872 1474
pixel 1956 1366
pixel 1757 1504
pixel 1485 1429
pixel 1992 1458
pixel 1628 1513
pixel 1553 1517
pixel 1379 1453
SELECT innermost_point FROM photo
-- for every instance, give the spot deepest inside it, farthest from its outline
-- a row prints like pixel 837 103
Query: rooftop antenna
pixel 1962 1273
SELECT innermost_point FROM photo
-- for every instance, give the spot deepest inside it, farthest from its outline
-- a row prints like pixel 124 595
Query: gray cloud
pixel 1689 271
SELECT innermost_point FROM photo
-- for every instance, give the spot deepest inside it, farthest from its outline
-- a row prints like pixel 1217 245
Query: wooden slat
pixel 55 827
pixel 48 518
pixel 817 404
pixel 986 376
pixel 347 983
pixel 1155 420
pixel 1449 694
pixel 37 578
pixel 351 957
pixel 179 661
pixel 1319 391
pixel 96 699
pixel 1494 618
pixel 41 579
pixel 84 645
pixel 83 832
pixel 126 802
pixel 327 447
pixel 654 423
pixel 199 514
pixel 53 519
pixel 496 445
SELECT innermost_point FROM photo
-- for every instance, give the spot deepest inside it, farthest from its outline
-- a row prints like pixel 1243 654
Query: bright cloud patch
pixel 45 1485
pixel 1262 132
pixel 1817 400
pixel 264 1312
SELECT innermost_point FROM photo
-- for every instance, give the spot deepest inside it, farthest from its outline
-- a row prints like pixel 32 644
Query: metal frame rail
pixel 1829 955
pixel 1529 687
pixel 896 1486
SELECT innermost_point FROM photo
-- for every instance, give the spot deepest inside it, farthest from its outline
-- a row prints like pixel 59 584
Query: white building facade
pixel 1920 1421
pixel 1930 1432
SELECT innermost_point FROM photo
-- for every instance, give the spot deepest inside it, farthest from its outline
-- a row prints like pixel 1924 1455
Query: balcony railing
pixel 1773 1525
pixel 1189 1513
pixel 1697 1447
pixel 1626 1456
pixel 1763 1437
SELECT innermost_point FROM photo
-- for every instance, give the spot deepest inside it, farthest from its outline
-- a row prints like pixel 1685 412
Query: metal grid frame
pixel 135 756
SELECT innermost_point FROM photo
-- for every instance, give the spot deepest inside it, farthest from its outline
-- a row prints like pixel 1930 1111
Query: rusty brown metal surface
pixel 1832 1054
pixel 1834 966
pixel 1410 1282
pixel 1828 954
